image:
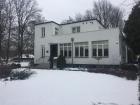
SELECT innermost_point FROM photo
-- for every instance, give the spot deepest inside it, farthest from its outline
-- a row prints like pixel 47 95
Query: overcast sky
pixel 58 10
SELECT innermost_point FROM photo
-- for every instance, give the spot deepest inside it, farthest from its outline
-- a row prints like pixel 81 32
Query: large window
pixel 81 49
pixel 66 50
pixel 42 51
pixel 43 32
pixel 76 29
pixel 100 49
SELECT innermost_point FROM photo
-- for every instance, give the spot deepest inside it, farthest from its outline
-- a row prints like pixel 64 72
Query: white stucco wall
pixel 84 27
pixel 87 34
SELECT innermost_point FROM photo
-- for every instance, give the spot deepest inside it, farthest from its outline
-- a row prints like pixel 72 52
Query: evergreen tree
pixel 132 29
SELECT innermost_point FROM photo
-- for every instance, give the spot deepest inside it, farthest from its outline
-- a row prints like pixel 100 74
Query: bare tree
pixel 88 15
pixel 2 24
pixel 107 14
pixel 70 20
pixel 26 10
pixel 29 34
pixel 9 10
pixel 78 17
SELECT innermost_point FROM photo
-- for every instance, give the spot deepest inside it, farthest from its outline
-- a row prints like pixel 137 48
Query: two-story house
pixel 84 42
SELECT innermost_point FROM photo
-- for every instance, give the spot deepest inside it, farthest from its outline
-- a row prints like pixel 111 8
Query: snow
pixel 27 56
pixel 53 87
pixel 76 69
pixel 24 64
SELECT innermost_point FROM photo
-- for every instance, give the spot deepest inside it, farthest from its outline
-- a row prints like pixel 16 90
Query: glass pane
pixel 76 51
pixel 78 29
pixel 86 52
pixel 65 51
pixel 61 52
pixel 106 52
pixel 73 30
pixel 99 52
pixel 94 52
pixel 69 53
pixel 81 51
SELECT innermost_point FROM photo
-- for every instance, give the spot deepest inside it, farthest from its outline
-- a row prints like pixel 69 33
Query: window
pixel 43 32
pixel 76 51
pixel 56 31
pixel 76 29
pixel 81 49
pixel 66 50
pixel 86 51
pixel 100 49
pixel 42 51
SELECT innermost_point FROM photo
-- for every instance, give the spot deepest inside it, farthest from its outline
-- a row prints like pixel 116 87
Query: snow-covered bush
pixel 21 74
pixel 7 73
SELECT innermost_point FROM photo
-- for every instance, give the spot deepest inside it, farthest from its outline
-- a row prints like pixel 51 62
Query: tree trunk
pixel 8 43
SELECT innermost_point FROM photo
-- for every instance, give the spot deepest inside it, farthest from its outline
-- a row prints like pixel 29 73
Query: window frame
pixel 102 44
pixel 43 32
pixel 84 46
pixel 56 31
pixel 43 51
pixel 66 47
pixel 76 29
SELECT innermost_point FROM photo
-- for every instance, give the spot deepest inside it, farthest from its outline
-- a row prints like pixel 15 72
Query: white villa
pixel 84 42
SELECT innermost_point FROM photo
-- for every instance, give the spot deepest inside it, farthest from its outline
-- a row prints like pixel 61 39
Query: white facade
pixel 92 43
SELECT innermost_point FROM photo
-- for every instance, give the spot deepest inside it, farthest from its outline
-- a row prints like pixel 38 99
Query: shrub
pixel 61 62
pixel 129 67
pixel 32 63
pixel 14 66
pixel 130 75
pixel 5 71
pixel 21 75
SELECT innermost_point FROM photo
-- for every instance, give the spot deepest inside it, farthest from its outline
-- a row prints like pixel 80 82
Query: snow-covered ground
pixel 23 64
pixel 69 88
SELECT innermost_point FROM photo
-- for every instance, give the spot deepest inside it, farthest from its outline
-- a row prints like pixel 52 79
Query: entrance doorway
pixel 53 53
pixel 53 50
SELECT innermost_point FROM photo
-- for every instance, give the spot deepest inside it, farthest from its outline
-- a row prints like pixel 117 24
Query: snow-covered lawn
pixel 69 88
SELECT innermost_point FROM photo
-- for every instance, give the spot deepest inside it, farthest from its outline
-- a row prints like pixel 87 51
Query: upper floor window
pixel 56 31
pixel 75 29
pixel 81 49
pixel 43 32
pixel 100 49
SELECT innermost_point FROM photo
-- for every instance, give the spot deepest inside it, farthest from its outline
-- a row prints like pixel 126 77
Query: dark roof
pixel 71 22
pixel 78 21
pixel 47 22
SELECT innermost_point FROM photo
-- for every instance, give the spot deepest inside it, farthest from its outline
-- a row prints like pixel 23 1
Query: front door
pixel 53 50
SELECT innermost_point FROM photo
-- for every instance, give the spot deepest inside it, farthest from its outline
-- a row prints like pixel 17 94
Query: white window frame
pixel 85 46
pixel 76 29
pixel 100 43
pixel 43 32
pixel 43 51
pixel 56 31
pixel 68 47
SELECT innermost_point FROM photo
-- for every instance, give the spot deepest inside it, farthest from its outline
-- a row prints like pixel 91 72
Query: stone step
pixel 42 66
